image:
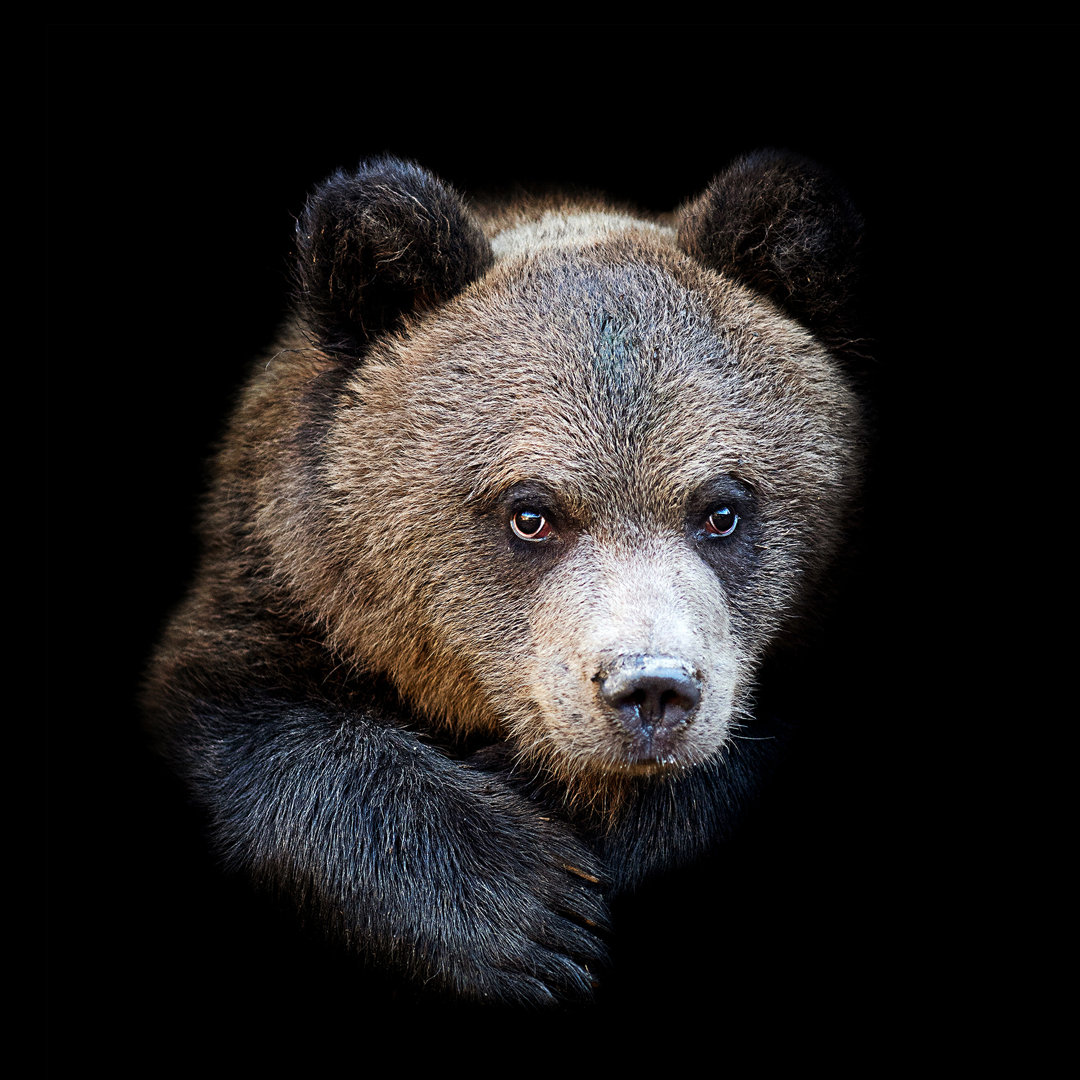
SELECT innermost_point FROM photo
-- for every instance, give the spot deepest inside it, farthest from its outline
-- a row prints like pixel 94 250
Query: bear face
pixel 544 486
pixel 577 529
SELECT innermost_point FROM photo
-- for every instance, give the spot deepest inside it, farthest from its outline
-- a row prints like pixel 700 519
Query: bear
pixel 499 540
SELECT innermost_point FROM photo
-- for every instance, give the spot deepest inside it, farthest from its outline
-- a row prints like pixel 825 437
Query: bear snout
pixel 653 698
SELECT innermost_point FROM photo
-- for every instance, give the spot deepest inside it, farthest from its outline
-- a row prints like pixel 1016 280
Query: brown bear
pixel 499 538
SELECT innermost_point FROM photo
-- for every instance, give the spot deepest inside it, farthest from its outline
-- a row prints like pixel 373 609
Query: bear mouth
pixel 656 745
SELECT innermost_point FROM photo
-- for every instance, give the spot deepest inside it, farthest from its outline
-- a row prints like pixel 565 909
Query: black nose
pixel 653 696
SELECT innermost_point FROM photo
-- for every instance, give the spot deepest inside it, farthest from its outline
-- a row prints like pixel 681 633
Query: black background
pixel 856 907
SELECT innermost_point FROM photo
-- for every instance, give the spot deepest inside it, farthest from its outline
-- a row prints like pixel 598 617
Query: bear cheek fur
pixel 421 593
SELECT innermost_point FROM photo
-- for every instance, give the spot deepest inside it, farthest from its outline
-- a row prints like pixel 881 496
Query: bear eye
pixel 530 525
pixel 721 522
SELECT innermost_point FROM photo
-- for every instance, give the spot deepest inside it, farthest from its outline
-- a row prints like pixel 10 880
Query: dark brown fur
pixel 362 583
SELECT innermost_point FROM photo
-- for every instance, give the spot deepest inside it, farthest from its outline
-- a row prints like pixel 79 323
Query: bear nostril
pixel 651 692
pixel 656 698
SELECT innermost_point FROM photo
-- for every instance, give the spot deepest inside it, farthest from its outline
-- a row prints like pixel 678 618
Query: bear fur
pixel 499 538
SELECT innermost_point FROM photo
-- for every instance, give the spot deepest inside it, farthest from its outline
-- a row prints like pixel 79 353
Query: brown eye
pixel 721 522
pixel 530 525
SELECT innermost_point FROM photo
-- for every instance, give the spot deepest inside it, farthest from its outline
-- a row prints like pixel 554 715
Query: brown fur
pixel 402 579
pixel 604 368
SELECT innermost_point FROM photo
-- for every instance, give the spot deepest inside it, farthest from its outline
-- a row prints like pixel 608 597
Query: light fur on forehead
pixel 568 230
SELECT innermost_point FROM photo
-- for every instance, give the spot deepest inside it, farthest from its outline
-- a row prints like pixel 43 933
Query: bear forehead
pixel 582 363
pixel 618 341
pixel 602 322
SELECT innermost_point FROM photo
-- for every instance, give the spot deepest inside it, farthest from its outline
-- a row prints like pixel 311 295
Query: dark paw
pixel 547 946
pixel 518 914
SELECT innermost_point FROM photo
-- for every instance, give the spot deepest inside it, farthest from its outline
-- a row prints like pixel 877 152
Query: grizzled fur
pixel 499 538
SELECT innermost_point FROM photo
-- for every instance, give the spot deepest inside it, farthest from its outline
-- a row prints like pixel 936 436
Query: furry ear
pixel 378 243
pixel 780 224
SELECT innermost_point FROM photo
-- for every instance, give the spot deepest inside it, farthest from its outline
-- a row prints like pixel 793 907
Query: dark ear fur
pixel 780 224
pixel 378 243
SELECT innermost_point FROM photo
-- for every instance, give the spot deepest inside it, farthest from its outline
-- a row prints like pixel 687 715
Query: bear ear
pixel 780 224
pixel 381 242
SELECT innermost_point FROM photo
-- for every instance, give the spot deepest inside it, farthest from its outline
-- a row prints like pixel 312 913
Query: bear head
pixel 564 474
